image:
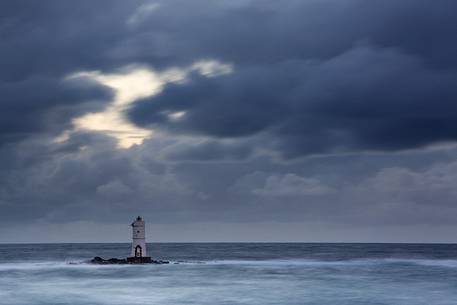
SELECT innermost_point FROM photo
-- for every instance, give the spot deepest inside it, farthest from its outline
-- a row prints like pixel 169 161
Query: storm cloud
pixel 365 80
pixel 266 120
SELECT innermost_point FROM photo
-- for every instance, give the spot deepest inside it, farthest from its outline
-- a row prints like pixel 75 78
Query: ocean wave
pixel 50 265
pixel 447 263
pixel 443 263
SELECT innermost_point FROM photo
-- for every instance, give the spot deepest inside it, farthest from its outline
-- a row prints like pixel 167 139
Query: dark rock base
pixel 125 261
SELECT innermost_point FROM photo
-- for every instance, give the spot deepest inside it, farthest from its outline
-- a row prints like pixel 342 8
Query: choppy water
pixel 231 273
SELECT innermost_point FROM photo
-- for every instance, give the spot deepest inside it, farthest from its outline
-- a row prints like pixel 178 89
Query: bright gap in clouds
pixel 130 85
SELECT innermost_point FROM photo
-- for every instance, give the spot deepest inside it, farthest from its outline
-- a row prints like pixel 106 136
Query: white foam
pixel 448 263
pixel 444 263
pixel 52 265
pixel 315 263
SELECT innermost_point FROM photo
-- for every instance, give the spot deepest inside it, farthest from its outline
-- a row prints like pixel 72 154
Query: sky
pixel 228 120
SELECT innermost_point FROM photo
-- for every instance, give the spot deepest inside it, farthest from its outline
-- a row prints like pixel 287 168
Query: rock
pixel 111 261
pixel 97 260
pixel 123 261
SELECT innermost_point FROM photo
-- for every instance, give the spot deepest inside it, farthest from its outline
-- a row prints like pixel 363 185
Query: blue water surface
pixel 232 273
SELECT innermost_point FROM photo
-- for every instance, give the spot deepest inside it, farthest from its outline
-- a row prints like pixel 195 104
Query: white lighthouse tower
pixel 139 239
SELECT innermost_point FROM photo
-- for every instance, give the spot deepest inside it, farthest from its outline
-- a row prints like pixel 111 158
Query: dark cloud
pixel 265 32
pixel 341 55
pixel 318 76
pixel 87 179
pixel 310 78
pixel 42 44
pixel 368 98
pixel 207 150
pixel 40 104
pixel 56 38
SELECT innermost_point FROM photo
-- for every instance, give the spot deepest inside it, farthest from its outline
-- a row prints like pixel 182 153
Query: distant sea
pixel 232 273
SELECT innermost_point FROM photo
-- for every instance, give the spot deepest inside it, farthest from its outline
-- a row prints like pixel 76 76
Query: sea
pixel 231 273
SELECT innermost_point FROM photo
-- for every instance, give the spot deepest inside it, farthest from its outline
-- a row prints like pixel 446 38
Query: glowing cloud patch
pixel 131 84
pixel 176 116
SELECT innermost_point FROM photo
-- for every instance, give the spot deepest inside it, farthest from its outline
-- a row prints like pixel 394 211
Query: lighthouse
pixel 138 254
pixel 138 239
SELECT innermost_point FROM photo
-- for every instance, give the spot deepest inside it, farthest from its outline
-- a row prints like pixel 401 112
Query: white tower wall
pixel 138 238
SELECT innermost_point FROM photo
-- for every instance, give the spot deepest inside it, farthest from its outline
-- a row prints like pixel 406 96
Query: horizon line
pixel 235 242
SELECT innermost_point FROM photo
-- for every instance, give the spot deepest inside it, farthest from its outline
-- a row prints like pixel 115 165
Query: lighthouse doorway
pixel 138 251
